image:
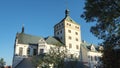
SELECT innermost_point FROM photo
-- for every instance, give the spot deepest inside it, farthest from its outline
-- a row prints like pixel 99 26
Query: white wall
pixel 93 62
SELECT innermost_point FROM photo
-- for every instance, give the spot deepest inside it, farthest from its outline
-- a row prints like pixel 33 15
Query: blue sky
pixel 38 17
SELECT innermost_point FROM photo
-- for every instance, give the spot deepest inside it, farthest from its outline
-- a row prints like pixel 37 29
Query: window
pixel 20 51
pixel 62 24
pixel 77 47
pixel 69 24
pixel 61 31
pixel 28 51
pixel 76 39
pixel 59 25
pixel 71 56
pixel 70 37
pixel 61 38
pixel 95 58
pixel 57 33
pixel 34 51
pixel 70 45
pixel 69 31
pixel 91 58
pixel 41 51
pixel 77 27
pixel 76 33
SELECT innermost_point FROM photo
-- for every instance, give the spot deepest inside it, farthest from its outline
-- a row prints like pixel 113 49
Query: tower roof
pixel 68 18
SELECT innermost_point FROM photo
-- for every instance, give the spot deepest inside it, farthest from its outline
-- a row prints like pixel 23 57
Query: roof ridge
pixel 30 35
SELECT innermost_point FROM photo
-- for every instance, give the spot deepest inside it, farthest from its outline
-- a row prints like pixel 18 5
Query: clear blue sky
pixel 38 17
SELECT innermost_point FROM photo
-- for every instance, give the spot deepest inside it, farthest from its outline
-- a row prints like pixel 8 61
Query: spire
pixel 67 12
pixel 22 28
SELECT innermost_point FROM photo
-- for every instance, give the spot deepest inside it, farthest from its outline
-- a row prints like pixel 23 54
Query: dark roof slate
pixel 54 41
pixel 28 39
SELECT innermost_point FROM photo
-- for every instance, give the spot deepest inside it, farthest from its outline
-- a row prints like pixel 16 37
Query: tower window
pixel 59 25
pixel 76 39
pixel 62 24
pixel 57 33
pixel 69 31
pixel 69 24
pixel 77 27
pixel 61 31
pixel 70 37
pixel 70 45
pixel 76 33
pixel 77 47
pixel 61 38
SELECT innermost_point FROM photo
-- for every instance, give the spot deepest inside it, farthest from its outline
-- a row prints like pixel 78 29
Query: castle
pixel 66 33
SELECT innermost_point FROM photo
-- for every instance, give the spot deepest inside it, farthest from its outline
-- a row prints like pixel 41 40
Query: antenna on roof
pixel 67 10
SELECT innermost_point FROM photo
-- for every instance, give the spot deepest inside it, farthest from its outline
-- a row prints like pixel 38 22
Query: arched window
pixel 20 51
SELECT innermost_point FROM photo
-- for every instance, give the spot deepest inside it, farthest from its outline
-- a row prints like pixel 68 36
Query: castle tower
pixel 68 31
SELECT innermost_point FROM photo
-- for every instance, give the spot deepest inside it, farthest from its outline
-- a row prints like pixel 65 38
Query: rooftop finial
pixel 22 28
pixel 67 12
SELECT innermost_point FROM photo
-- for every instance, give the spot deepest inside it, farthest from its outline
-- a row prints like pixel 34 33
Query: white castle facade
pixel 66 33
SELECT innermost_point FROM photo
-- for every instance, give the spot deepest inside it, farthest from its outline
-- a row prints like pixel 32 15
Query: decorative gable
pixel 92 48
pixel 42 41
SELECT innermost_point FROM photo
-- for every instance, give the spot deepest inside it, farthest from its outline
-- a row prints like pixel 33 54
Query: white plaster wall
pixel 73 41
pixel 93 62
pixel 24 46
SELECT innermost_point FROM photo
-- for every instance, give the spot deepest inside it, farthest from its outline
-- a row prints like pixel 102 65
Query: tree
pixel 55 58
pixel 2 62
pixel 107 15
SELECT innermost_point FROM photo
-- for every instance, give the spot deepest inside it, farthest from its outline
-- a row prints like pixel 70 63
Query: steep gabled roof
pixel 27 39
pixel 87 46
pixel 53 41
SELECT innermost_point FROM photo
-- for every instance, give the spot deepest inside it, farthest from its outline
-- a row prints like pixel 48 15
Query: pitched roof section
pixel 27 39
pixel 30 39
pixel 87 46
pixel 68 18
pixel 53 41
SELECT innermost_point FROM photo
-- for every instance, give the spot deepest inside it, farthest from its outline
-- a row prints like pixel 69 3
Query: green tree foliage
pixel 107 15
pixel 55 58
pixel 2 62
